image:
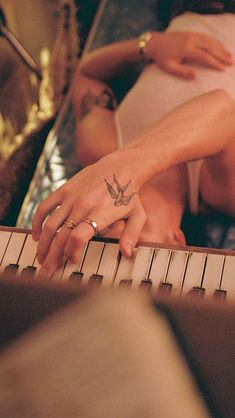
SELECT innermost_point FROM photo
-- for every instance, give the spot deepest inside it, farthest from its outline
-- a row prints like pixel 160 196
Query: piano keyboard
pixel 177 271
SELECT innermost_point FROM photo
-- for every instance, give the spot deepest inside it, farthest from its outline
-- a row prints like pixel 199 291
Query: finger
pixel 55 253
pixel 221 55
pixel 204 58
pixel 132 231
pixel 84 231
pixel 114 231
pixel 46 207
pixel 215 48
pixel 180 70
pixel 77 240
pixel 49 230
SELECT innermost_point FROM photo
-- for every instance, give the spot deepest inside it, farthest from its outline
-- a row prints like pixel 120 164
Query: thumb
pixel 180 70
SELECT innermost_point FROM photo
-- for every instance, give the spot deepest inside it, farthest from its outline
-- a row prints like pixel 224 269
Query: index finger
pixel 204 58
pixel 46 207
pixel 217 49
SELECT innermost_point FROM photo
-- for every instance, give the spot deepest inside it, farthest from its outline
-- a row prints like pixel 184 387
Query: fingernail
pixel 128 249
pixel 35 236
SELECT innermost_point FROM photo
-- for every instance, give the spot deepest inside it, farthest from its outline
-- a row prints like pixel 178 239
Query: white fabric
pixel 156 92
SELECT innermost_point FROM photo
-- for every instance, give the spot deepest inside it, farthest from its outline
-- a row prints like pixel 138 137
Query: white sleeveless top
pixel 156 92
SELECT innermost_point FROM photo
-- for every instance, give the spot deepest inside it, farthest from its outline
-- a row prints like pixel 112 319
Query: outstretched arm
pixel 205 126
pixel 169 50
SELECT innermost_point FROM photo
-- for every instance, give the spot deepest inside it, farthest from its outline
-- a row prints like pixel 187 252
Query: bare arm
pixel 202 127
pixel 169 50
pixel 109 189
pixel 110 60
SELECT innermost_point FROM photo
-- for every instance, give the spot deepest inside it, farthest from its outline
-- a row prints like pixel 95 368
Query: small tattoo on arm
pixel 105 99
pixel 86 104
pixel 117 192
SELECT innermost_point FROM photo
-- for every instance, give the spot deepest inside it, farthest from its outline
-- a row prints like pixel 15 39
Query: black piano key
pixel 76 275
pixel 220 294
pixel 165 287
pixel 95 279
pixel 147 284
pixel 125 282
pixel 28 272
pixel 11 270
pixel 197 291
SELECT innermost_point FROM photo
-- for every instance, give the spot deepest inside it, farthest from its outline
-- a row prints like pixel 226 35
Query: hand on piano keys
pixel 175 271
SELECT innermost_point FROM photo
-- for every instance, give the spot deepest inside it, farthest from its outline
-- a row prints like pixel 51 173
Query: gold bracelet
pixel 143 40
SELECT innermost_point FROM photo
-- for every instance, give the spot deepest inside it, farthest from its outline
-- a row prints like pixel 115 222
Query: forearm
pixel 169 50
pixel 200 128
pixel 111 60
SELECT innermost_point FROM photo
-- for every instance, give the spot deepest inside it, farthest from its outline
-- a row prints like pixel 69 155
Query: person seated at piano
pixel 163 162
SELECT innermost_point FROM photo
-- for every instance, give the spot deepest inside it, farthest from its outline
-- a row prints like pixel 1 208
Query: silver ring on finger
pixel 70 223
pixel 92 223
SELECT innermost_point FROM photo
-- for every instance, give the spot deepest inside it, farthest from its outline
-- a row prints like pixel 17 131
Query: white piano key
pixel 228 277
pixel 125 268
pixel 72 267
pixel 108 263
pixel 36 263
pixel 159 266
pixel 212 273
pixel 176 270
pixel 13 250
pixel 28 254
pixel 141 265
pixel 57 276
pixel 194 271
pixel 92 259
pixel 4 239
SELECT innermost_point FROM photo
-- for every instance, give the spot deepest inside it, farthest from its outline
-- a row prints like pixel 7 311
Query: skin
pixel 203 127
pixel 161 152
pixel 171 51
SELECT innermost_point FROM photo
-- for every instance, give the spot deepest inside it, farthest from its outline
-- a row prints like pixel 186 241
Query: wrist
pixel 136 160
pixel 143 41
pixel 150 154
